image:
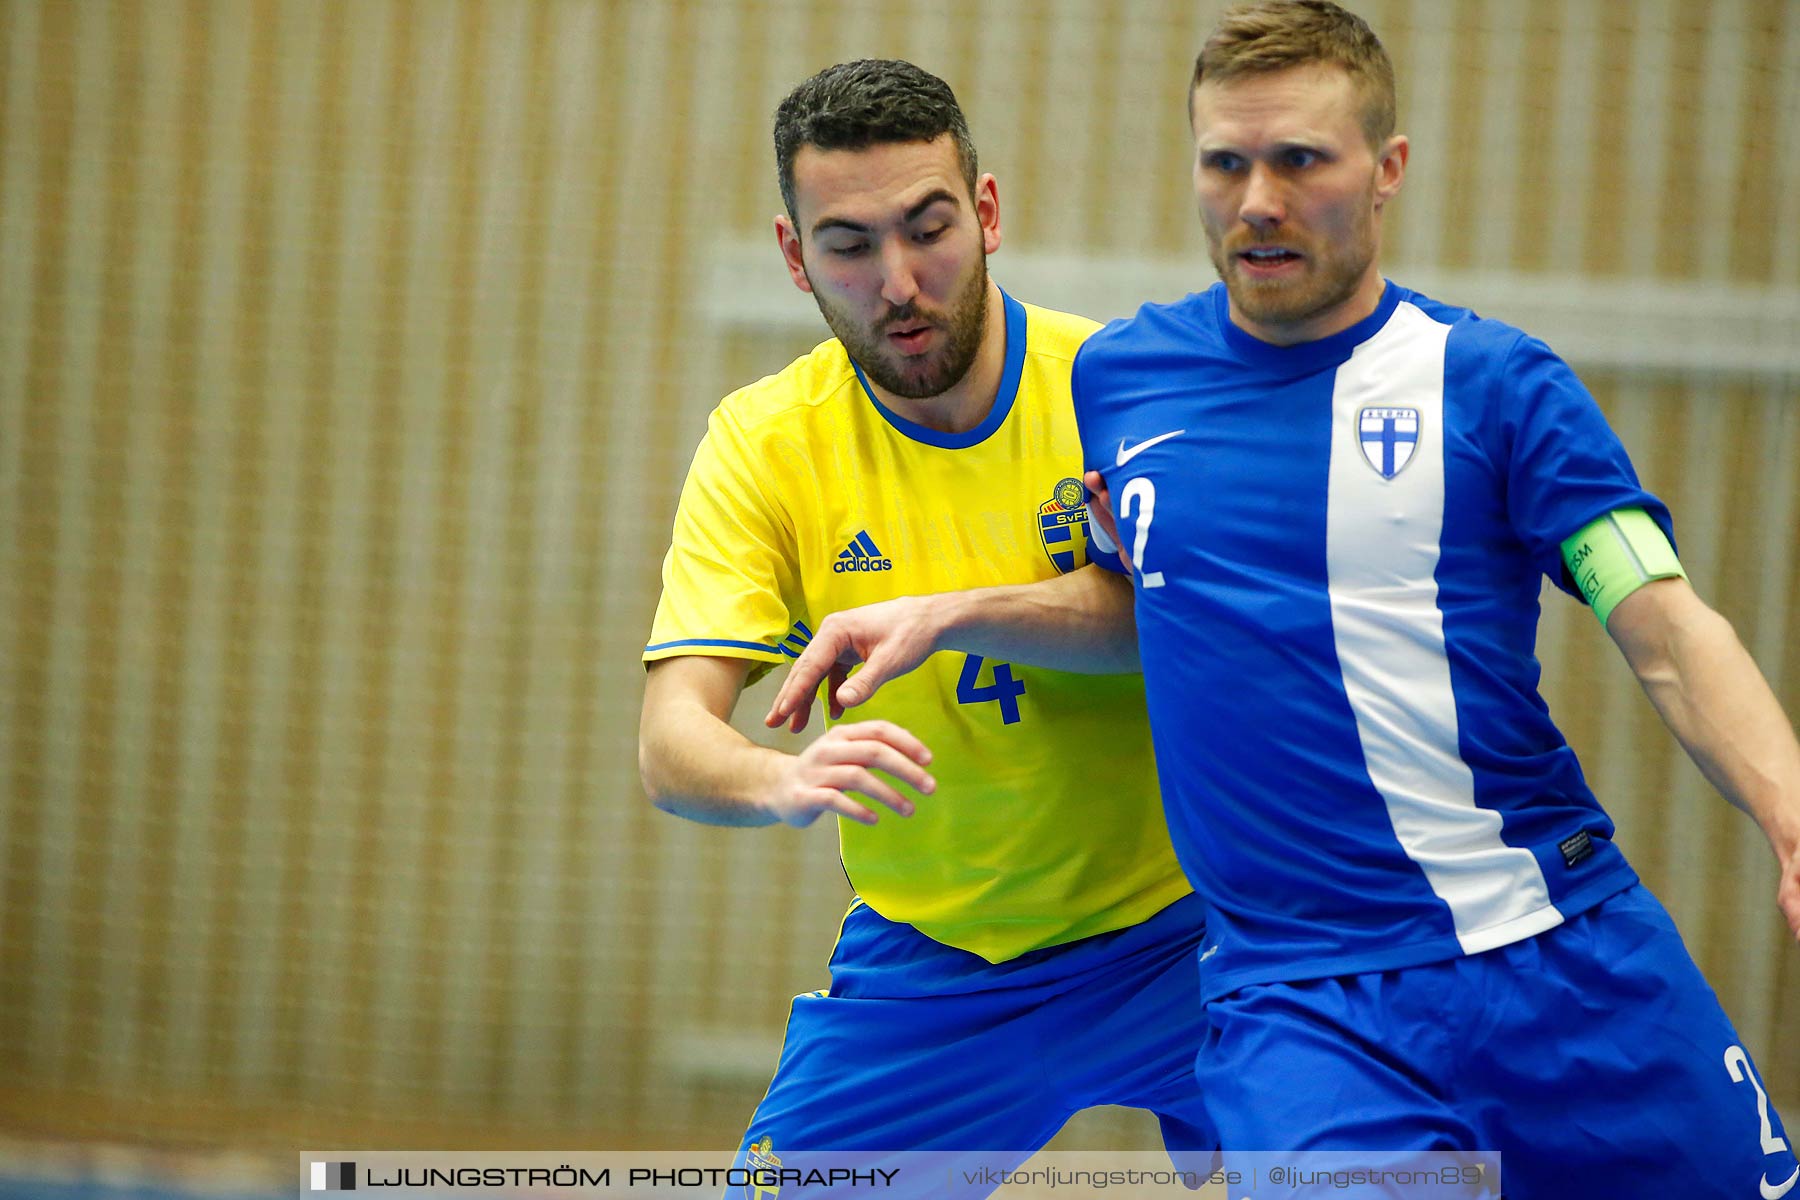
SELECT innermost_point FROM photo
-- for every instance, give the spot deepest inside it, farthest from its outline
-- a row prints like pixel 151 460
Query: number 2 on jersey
pixel 1004 691
pixel 1738 1064
pixel 1144 492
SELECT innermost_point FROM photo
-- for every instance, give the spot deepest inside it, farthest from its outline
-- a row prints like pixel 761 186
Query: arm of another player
pixel 1709 692
pixel 695 765
pixel 1081 622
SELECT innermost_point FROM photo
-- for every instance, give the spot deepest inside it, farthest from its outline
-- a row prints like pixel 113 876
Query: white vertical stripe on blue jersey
pixel 1382 539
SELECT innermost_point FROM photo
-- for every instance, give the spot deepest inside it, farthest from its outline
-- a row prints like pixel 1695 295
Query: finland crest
pixel 1388 437
pixel 1063 525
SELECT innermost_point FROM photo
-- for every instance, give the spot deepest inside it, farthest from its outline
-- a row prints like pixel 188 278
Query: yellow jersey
pixel 807 496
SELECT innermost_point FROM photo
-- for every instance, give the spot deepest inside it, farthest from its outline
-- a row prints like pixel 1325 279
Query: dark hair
pixel 1273 35
pixel 859 104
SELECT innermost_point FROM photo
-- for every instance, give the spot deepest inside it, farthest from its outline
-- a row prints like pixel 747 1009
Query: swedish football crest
pixel 1063 525
pixel 1388 437
pixel 764 1167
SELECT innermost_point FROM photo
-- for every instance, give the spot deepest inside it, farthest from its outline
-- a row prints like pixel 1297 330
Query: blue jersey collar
pixel 1003 399
pixel 1305 356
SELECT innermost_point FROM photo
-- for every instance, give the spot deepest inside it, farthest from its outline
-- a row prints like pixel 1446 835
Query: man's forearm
pixel 1711 695
pixel 696 766
pixel 1081 622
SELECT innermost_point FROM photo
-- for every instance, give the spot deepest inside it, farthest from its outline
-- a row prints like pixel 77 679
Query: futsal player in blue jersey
pixel 1338 497
pixel 1015 952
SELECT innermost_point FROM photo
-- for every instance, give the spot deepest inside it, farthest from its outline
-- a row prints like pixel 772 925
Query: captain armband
pixel 1614 556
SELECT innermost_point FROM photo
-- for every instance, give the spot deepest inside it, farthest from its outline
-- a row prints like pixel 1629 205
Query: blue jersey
pixel 1338 549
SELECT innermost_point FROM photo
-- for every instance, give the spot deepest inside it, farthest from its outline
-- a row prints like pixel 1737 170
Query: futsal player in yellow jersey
pixel 1022 943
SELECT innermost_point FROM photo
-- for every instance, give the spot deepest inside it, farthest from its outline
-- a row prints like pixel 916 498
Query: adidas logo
pixel 861 555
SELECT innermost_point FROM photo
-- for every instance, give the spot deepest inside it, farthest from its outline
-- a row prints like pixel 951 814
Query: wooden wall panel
pixel 351 356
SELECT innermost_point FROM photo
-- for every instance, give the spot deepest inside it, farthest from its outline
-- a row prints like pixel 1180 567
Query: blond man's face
pixel 1290 195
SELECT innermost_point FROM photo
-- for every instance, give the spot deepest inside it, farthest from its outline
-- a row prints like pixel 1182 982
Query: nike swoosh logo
pixel 1127 453
pixel 1774 1191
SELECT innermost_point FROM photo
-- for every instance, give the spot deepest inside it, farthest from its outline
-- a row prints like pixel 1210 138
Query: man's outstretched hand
pixel 889 639
pixel 895 636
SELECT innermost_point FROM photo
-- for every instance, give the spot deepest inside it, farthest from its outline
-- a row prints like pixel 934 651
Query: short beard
pixel 1335 281
pixel 965 323
pixel 1337 271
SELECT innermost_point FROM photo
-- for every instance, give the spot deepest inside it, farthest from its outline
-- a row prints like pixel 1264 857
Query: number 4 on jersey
pixel 1004 691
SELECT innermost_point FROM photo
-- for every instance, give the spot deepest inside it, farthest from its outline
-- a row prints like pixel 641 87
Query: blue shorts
pixel 1593 1057
pixel 920 1046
